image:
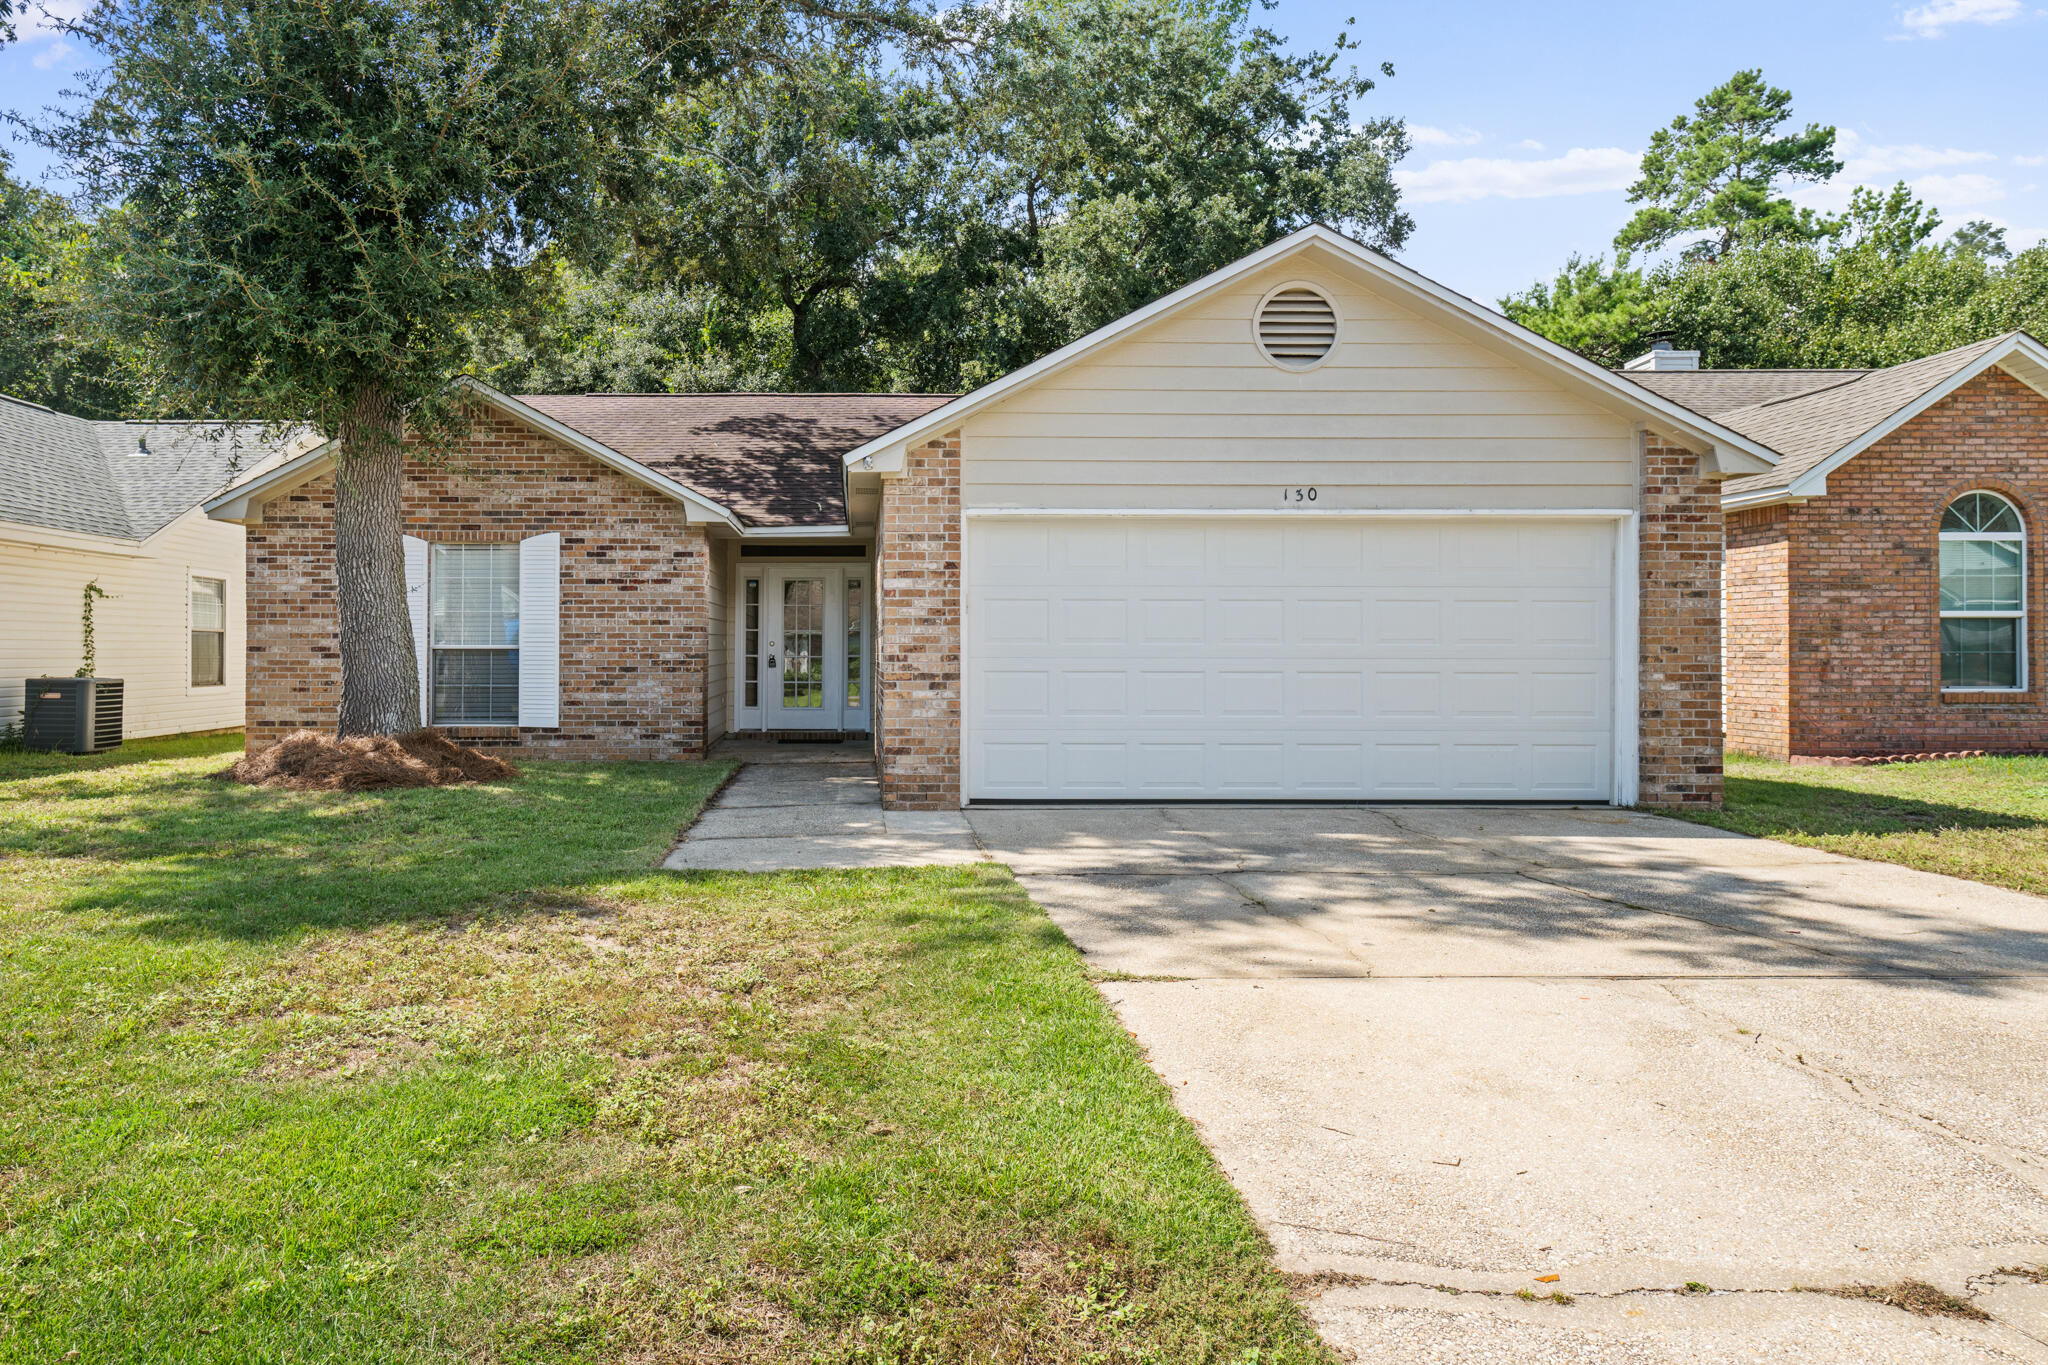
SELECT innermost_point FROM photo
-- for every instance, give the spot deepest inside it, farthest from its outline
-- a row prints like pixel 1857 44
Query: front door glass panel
pixel 803 644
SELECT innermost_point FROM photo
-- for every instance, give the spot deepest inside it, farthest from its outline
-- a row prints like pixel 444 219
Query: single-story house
pixel 118 504
pixel 1881 592
pixel 1312 527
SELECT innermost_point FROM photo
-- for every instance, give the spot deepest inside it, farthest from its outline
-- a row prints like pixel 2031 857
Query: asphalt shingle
pixel 1807 415
pixel 1713 392
pixel 127 480
pixel 772 458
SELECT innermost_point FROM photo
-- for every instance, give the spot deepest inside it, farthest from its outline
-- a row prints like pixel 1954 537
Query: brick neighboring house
pixel 1312 527
pixel 1882 587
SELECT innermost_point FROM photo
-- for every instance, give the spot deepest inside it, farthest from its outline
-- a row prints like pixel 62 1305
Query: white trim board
pixel 1313 514
pixel 1725 451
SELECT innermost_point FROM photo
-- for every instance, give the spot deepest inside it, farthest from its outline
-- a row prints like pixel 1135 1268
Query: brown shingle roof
pixel 1807 415
pixel 1806 428
pixel 1713 392
pixel 772 458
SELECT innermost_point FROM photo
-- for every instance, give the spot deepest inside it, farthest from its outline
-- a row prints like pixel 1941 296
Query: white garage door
pixel 1193 658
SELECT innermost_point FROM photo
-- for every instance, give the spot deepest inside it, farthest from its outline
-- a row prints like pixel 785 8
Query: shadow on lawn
pixel 182 854
pixel 1758 805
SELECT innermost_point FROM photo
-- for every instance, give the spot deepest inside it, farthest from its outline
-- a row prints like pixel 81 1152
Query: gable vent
pixel 1297 328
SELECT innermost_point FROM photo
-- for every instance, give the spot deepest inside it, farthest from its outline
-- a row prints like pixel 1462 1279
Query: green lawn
pixel 451 1075
pixel 1981 818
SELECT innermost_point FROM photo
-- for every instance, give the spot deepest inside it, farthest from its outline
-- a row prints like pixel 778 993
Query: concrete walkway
pixel 814 806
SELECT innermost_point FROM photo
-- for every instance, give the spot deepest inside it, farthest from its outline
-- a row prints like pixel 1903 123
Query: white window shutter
pixel 540 631
pixel 418 555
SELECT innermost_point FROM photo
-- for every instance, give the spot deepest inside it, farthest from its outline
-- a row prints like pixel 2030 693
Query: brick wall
pixel 1865 637
pixel 1680 548
pixel 635 626
pixel 917 676
pixel 1757 632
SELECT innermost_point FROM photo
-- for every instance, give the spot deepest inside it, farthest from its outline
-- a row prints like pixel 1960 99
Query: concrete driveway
pixel 1449 1054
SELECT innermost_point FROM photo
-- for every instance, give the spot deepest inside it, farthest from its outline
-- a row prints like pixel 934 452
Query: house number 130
pixel 1297 495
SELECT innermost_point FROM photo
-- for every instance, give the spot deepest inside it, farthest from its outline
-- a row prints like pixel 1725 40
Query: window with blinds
pixel 209 632
pixel 475 634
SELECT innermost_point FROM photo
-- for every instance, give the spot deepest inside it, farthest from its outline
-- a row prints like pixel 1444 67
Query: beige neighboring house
pixel 118 503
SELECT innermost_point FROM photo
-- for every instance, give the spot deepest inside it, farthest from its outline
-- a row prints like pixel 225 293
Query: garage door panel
pixel 1246 660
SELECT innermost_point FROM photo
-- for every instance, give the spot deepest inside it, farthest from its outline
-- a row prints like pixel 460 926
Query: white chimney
pixel 1660 356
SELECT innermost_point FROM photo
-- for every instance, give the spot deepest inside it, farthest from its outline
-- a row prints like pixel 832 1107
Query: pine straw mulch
pixel 306 760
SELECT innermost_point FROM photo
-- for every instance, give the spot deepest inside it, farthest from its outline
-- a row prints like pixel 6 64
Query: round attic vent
pixel 1297 327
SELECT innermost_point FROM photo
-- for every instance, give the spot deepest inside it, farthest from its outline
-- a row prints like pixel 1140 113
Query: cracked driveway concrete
pixel 1469 1049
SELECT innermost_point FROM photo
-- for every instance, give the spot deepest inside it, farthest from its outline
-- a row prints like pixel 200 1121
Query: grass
pixel 1981 818
pixel 1914 1296
pixel 451 1075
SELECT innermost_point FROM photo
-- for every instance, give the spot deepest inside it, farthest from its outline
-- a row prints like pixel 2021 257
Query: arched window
pixel 1983 595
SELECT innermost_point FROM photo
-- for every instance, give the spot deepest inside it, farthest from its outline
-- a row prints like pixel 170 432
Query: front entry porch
pixel 802 645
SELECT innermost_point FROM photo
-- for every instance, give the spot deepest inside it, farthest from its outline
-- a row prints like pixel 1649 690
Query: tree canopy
pixel 44 356
pixel 1772 284
pixel 1878 289
pixel 306 213
pixel 856 222
pixel 1722 170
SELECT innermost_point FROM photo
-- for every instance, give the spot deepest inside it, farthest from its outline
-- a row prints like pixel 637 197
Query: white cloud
pixel 1425 136
pixel 1935 18
pixel 1530 144
pixel 1582 170
pixel 1864 161
pixel 1959 191
pixel 2030 161
pixel 41 33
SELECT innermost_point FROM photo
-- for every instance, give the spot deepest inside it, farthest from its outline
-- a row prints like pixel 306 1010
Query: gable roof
pixel 757 463
pixel 1822 419
pixel 1714 393
pixel 773 459
pixel 1724 450
pixel 119 480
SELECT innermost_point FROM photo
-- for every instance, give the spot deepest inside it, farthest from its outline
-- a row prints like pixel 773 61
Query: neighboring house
pixel 1883 588
pixel 118 503
pixel 1311 527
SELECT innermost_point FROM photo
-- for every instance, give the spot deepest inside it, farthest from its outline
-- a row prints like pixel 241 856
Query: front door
pixel 814 650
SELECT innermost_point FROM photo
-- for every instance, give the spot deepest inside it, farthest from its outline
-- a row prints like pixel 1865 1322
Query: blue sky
pixel 1529 117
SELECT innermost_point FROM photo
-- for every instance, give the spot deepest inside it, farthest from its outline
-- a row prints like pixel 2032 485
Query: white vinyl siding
pixel 1405 412
pixel 142 626
pixel 1214 658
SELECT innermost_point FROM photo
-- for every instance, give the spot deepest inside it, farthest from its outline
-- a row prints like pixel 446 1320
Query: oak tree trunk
pixel 380 680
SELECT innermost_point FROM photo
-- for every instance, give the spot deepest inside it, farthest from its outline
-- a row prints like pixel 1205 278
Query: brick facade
pixel 1679 660
pixel 635 623
pixel 917 649
pixel 1758 610
pixel 1860 662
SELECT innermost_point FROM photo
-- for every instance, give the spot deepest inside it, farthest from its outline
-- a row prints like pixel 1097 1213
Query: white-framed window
pixel 474 635
pixel 1983 595
pixel 209 632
